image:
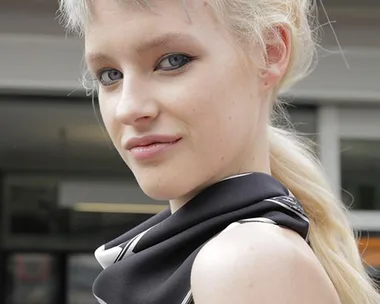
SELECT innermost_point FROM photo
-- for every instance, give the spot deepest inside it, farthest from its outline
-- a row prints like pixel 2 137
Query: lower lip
pixel 147 152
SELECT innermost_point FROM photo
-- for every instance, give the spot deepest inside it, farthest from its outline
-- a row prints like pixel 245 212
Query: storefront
pixel 65 190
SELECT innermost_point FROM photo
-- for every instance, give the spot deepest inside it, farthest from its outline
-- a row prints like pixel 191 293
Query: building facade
pixel 65 191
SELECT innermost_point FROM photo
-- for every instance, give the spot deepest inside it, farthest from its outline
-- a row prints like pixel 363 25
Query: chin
pixel 162 189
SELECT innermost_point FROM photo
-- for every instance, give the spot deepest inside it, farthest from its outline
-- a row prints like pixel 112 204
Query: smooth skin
pixel 216 102
pixel 260 263
pixel 161 72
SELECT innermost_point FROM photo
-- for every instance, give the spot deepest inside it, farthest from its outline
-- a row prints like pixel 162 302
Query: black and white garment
pixel 151 264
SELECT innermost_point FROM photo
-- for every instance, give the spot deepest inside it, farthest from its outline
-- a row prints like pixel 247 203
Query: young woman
pixel 188 93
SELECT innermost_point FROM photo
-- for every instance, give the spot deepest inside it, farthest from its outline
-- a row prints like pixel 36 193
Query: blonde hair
pixel 292 159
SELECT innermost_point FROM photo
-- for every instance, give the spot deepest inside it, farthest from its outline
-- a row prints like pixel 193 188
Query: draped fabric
pixel 151 264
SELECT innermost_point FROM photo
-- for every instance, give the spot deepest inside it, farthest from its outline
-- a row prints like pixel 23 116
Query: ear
pixel 277 57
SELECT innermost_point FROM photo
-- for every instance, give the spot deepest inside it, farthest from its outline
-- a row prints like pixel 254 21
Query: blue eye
pixel 173 62
pixel 109 76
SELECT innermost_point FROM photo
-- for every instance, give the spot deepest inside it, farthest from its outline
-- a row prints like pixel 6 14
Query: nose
pixel 137 106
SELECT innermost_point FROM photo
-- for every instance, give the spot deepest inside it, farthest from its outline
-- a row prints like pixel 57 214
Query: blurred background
pixel 64 191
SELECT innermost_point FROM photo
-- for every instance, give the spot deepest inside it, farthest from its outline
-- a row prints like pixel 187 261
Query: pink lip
pixel 150 146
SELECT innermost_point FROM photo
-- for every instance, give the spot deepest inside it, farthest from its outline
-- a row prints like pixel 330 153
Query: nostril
pixel 143 118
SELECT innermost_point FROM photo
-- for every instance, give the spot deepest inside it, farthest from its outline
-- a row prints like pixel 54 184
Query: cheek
pixel 107 112
pixel 216 108
pixel 226 111
pixel 220 101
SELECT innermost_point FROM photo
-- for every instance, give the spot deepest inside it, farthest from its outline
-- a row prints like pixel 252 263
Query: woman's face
pixel 179 101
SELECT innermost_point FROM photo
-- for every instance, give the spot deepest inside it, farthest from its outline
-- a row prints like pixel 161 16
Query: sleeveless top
pixel 151 264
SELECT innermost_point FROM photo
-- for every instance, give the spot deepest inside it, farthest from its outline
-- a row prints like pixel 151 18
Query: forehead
pixel 127 24
pixel 136 11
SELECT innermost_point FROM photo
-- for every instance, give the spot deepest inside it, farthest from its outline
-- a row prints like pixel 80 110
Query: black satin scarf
pixel 151 264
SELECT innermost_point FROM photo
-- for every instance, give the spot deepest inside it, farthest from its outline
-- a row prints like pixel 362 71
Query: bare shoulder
pixel 259 263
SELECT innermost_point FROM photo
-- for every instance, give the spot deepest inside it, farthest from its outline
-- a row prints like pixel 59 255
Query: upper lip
pixel 150 139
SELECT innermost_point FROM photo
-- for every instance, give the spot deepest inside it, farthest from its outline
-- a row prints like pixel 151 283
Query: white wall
pixel 39 63
pixel 35 56
pixel 118 191
pixel 332 81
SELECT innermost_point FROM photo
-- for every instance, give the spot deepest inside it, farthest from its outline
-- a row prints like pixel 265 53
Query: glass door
pixel 359 131
pixel 31 279
pixel 82 270
pixel 359 142
pixel 44 278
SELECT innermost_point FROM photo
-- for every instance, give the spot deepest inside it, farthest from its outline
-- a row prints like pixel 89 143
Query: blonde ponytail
pixel 331 237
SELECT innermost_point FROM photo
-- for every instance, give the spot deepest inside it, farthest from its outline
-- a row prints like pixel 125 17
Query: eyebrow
pixel 157 42
pixel 94 57
pixel 164 40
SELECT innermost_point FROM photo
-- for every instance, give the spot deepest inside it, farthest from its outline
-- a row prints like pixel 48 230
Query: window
pixel 82 271
pixel 360 166
pixel 37 218
pixel 304 119
pixel 31 279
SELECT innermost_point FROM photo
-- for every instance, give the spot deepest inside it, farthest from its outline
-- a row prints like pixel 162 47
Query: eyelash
pixel 101 72
pixel 187 58
pixel 167 57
